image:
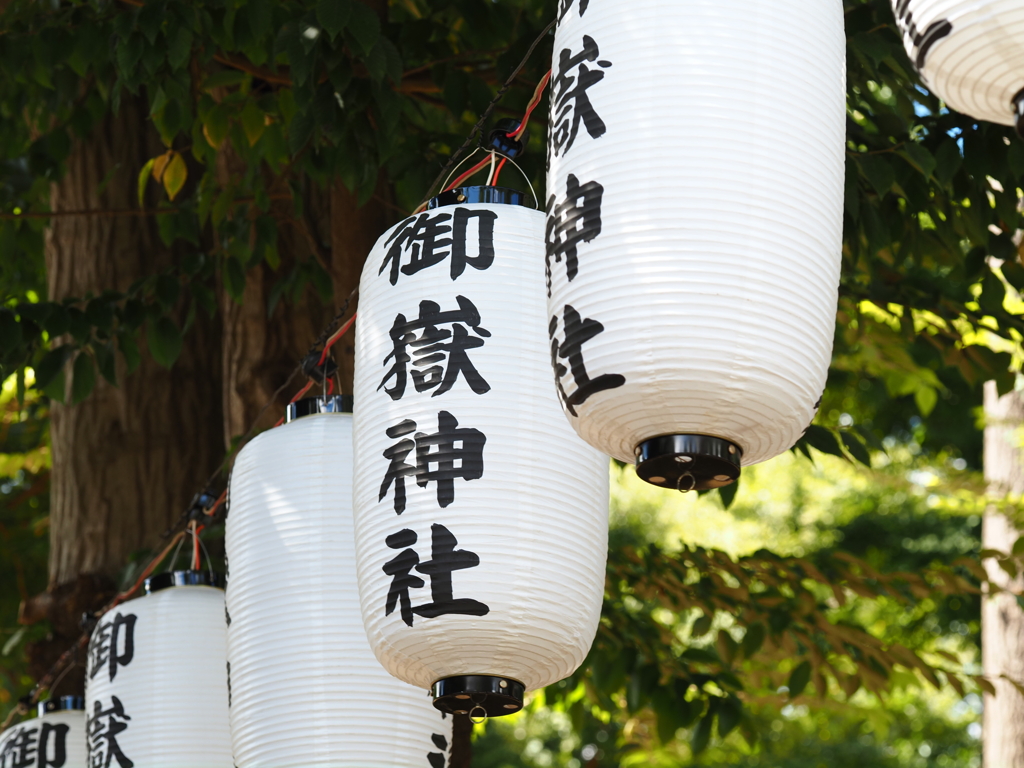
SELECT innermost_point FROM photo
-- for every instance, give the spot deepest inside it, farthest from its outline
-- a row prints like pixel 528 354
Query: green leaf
pixel 10 332
pixel 175 175
pixel 878 172
pixel 129 350
pixel 701 626
pixel 926 398
pixel 729 715
pixel 52 365
pixel 180 49
pixel 224 79
pixel 164 341
pixel 105 362
pixel 947 161
pixel 144 174
pixel 920 158
pixel 83 378
pixel 728 493
pixel 216 124
pixel 856 448
pixel 824 440
pixel 798 679
pixel 753 640
pixel 168 289
pixel 234 278
pixel 332 15
pixel 254 122
pixel 702 733
pixel 364 26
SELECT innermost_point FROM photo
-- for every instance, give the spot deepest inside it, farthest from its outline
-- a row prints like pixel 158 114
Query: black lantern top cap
pixel 62 704
pixel 466 195
pixel 170 579
pixel 310 406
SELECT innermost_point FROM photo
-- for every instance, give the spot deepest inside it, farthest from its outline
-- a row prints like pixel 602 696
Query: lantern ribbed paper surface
pixel 695 217
pixel 970 53
pixel 481 519
pixel 51 740
pixel 306 691
pixel 156 682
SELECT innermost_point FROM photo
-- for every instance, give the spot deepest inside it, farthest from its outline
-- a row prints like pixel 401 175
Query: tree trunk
pixel 127 460
pixel 1002 620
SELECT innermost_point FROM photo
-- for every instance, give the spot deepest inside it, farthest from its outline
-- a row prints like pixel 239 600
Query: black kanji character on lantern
pixel 575 220
pixel 450 453
pixel 577 333
pixel 102 729
pixel 42 746
pixel 444 560
pixel 570 102
pixel 437 759
pixel 466 461
pixel 923 42
pixel 428 347
pixel 106 643
pixel 425 238
pixel 400 571
pixel 398 470
pixel 566 6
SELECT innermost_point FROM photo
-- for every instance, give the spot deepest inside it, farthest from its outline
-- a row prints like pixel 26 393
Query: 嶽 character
pixel 574 220
pixel 105 644
pixel 400 571
pixel 570 102
pixel 425 240
pixel 102 728
pixel 438 355
pixel 577 332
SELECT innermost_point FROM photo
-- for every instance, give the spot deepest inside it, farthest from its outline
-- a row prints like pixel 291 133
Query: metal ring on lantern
pixel 477 719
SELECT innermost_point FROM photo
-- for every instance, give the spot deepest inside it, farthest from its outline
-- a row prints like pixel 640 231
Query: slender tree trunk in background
pixel 1002 619
pixel 127 460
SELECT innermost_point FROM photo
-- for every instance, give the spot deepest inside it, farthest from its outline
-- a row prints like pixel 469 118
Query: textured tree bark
pixel 127 460
pixel 1002 620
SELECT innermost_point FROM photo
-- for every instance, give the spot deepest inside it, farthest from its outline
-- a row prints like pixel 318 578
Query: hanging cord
pixel 492 178
pixel 487 113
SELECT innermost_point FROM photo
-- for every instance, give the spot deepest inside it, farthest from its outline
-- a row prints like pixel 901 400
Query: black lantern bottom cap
pixel 688 462
pixel 478 695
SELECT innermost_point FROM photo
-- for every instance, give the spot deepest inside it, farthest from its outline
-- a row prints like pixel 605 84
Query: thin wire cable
pixel 538 93
pixel 536 200
pixel 494 164
pixel 497 173
pixel 445 186
pixel 487 112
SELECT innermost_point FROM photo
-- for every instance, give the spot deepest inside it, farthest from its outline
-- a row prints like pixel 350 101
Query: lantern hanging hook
pixel 477 719
pixel 686 482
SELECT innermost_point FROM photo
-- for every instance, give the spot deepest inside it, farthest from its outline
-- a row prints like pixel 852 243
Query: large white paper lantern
pixel 306 690
pixel 970 53
pixel 481 519
pixel 54 739
pixel 695 189
pixel 156 686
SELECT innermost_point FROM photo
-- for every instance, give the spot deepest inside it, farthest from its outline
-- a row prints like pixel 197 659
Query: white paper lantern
pixel 156 687
pixel 970 53
pixel 306 691
pixel 694 227
pixel 54 739
pixel 481 519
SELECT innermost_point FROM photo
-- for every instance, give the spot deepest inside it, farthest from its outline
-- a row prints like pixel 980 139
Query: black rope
pixel 487 113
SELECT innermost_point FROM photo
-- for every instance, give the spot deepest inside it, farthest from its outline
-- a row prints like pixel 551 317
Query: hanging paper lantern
pixel 696 165
pixel 156 687
pixel 306 691
pixel 481 519
pixel 970 53
pixel 54 739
